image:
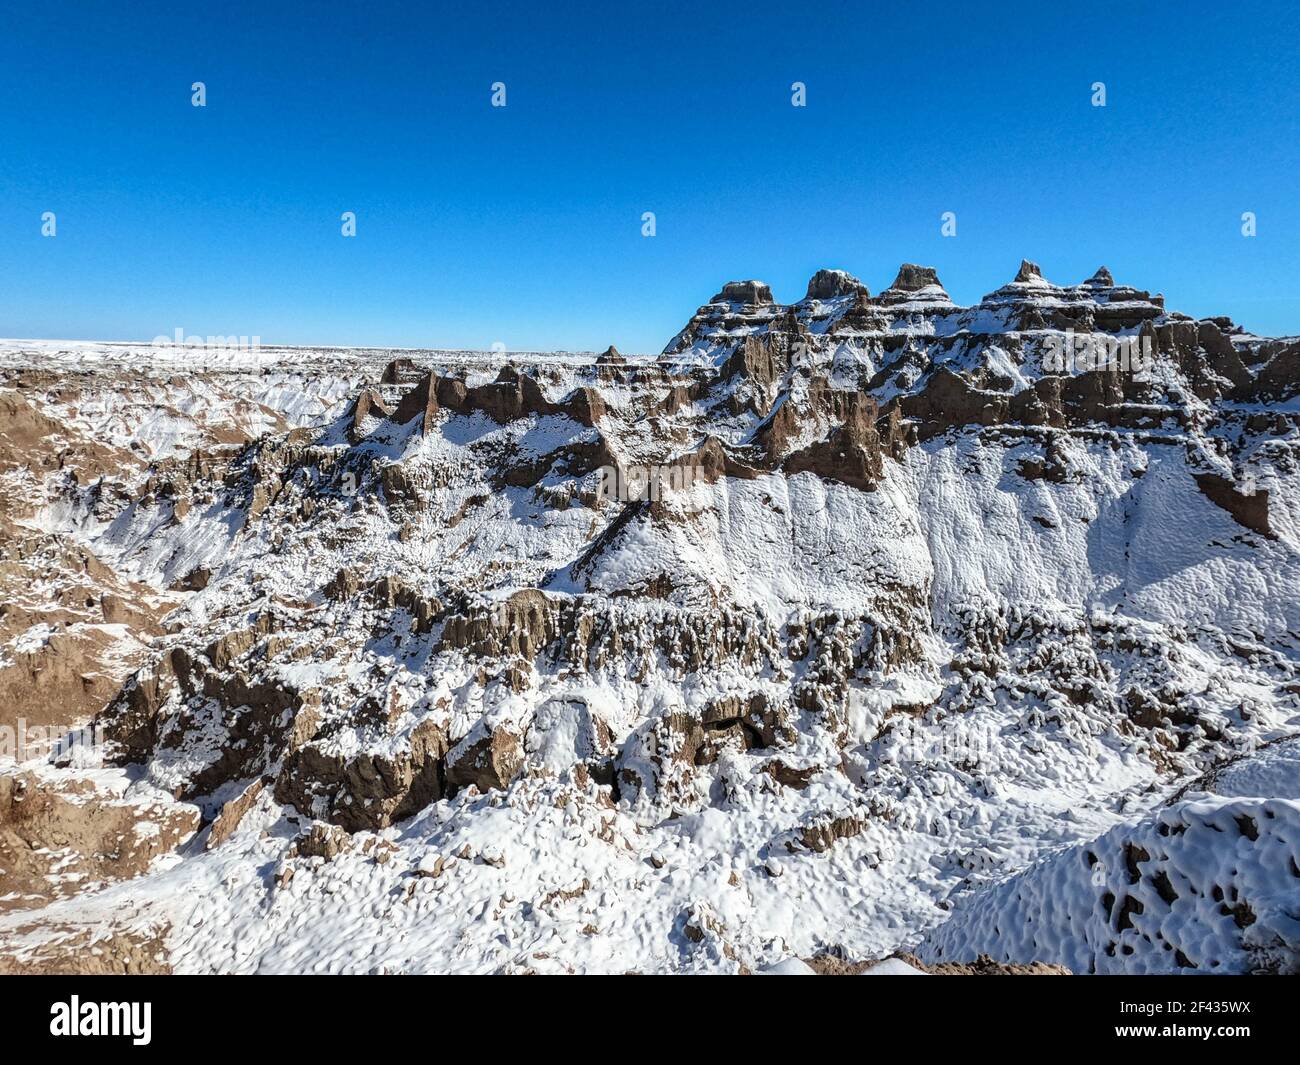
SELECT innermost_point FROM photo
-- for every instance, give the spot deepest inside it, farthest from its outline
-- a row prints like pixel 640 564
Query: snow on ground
pixel 1043 716
pixel 1212 884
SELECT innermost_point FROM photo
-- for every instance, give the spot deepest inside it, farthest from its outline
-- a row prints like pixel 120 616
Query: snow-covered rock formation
pixel 798 639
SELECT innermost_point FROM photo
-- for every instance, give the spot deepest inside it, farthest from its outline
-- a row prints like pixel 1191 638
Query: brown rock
pixel 398 371
pixel 232 813
pixel 832 284
pixel 370 791
pixel 820 835
pixel 1249 509
pixel 1277 379
pixel 586 406
pixel 949 400
pixel 491 761
pixel 913 278
pixel 420 402
pixel 91 951
pixel 368 406
pixel 747 292
pixel 760 362
pixel 1028 272
pixel 323 841
pixel 851 455
pixel 47 827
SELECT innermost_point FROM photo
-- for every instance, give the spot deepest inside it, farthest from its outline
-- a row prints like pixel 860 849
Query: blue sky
pixel 522 225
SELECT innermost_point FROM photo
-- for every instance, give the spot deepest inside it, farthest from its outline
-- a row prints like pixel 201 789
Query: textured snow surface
pixel 1273 771
pixel 1212 884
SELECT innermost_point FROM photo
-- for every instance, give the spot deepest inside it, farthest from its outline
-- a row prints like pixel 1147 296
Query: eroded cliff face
pixel 861 600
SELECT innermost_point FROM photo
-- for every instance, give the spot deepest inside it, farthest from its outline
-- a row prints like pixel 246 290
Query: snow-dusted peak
pixel 916 285
pixel 835 284
pixel 745 293
pixel 1030 274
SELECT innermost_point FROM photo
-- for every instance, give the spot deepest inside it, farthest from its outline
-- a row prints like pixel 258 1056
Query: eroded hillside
pixel 798 639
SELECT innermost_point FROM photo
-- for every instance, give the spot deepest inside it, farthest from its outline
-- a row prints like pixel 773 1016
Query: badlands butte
pixel 846 628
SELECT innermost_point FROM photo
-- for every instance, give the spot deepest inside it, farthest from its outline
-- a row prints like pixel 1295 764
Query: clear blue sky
pixel 522 225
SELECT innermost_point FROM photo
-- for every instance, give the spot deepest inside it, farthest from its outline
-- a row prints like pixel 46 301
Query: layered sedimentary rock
pixel 801 601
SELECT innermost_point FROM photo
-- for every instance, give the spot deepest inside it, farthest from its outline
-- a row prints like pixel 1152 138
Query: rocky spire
pixel 1029 273
pixel 420 402
pixel 830 284
pixel 913 278
pixel 1101 277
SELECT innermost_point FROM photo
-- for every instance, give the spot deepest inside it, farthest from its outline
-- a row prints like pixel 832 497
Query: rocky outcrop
pixel 948 401
pixel 835 284
pixel 741 308
pixel 820 834
pixel 1029 274
pixel 91 951
pixel 54 836
pixel 585 406
pixel 594 633
pixel 420 402
pixel 367 411
pixel 851 451
pixel 753 720
pixel 172 697
pixel 711 462
pixel 323 841
pixel 913 278
pixel 914 282
pixel 512 396
pixel 757 367
pixel 1277 380
pixel 233 813
pixel 486 759
pixel 366 791
pixel 851 455
pixel 521 625
pixel 747 292
pixel 400 371
pixel 1247 508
